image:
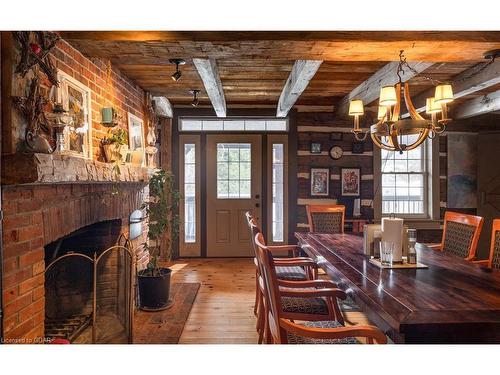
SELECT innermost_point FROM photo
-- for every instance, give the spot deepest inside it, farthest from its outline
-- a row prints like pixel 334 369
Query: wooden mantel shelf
pixel 56 168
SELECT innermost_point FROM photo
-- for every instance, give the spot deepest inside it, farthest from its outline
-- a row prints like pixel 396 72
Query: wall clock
pixel 336 152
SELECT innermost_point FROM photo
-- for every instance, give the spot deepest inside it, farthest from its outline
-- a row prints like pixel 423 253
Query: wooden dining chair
pixel 281 327
pixel 493 260
pixel 326 219
pixel 291 269
pixel 460 235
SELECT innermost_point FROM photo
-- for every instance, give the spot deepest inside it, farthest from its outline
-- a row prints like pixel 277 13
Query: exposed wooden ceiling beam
pixel 331 36
pixel 369 90
pixel 478 106
pixel 153 47
pixel 209 74
pixel 468 82
pixel 302 72
pixel 163 108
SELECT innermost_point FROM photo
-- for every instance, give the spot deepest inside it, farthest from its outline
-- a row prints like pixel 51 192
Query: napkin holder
pixel 368 239
pixel 368 236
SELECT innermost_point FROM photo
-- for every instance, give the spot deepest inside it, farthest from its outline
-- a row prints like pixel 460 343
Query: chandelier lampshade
pixel 431 106
pixel 356 107
pixel 381 112
pixel 388 96
pixel 443 94
pixel 390 130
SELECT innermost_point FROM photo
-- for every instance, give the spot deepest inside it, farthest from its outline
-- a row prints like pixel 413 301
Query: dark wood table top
pixel 451 301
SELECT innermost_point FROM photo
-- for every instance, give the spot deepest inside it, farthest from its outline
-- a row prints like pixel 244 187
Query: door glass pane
pixel 234 170
pixel 278 189
pixel 189 193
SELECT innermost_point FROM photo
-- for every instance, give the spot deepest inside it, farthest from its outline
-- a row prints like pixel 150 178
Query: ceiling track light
pixel 195 101
pixel 177 75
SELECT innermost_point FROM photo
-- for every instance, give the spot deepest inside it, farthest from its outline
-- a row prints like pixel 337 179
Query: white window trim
pixel 431 184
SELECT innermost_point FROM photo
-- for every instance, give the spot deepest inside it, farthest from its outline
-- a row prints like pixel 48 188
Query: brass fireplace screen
pixel 89 299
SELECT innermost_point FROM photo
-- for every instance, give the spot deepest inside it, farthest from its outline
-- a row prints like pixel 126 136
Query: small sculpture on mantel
pixel 35 47
pixel 38 134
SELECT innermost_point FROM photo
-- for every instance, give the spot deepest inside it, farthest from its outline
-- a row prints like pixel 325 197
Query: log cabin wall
pixel 317 128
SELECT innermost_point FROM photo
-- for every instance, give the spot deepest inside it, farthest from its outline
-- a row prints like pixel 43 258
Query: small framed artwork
pixel 315 148
pixel 336 136
pixel 135 133
pixel 320 182
pixel 358 148
pixel 350 179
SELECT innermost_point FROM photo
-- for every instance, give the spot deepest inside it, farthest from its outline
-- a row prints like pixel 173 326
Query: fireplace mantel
pixel 36 168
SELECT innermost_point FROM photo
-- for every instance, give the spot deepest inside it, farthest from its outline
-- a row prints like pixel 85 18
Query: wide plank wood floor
pixel 223 310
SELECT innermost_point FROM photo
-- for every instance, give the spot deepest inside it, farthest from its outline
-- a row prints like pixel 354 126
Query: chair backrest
pixel 254 229
pixel 461 234
pixel 326 219
pixel 494 260
pixel 271 288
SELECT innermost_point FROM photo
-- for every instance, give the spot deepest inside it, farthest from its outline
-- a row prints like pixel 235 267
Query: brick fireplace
pixel 36 216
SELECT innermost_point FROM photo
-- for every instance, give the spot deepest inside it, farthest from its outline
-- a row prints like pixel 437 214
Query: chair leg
pixel 257 299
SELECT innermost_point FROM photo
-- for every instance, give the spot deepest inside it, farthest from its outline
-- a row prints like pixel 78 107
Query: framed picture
pixel 358 148
pixel 350 179
pixel 336 136
pixel 320 182
pixel 315 148
pixel 135 133
pixel 76 99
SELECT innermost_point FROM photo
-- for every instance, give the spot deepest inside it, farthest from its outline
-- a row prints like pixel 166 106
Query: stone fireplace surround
pixel 38 213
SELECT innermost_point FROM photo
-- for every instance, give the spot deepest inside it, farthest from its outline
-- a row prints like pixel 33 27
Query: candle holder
pixel 59 119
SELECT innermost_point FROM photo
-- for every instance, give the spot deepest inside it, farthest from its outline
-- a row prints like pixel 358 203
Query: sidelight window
pixel 189 193
pixel 278 192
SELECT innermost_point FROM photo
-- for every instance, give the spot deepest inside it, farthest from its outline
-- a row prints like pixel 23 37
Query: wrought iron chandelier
pixel 388 132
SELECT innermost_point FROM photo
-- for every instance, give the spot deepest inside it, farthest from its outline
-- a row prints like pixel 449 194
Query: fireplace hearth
pixel 88 288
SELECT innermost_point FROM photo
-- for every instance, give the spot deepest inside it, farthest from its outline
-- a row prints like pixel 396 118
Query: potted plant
pixel 115 146
pixel 161 210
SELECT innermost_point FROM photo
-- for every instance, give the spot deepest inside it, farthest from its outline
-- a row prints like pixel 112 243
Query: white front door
pixel 233 186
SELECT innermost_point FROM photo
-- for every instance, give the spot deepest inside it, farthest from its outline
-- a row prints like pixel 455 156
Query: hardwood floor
pixel 223 310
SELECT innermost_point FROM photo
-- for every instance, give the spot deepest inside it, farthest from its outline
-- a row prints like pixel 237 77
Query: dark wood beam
pixel 369 90
pixel 302 72
pixel 209 74
pixel 477 106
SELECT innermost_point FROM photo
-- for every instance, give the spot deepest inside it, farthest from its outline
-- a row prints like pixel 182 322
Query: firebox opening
pixel 70 304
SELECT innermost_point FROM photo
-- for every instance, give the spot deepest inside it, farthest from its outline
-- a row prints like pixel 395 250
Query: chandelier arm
pixel 397 107
pixel 393 138
pixel 422 137
pixel 379 143
pixel 409 104
pixel 362 138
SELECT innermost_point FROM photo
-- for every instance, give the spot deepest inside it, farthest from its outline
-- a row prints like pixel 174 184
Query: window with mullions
pixel 404 179
pixel 278 192
pixel 234 170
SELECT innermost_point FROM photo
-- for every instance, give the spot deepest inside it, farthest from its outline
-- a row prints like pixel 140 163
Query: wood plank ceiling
pixel 254 66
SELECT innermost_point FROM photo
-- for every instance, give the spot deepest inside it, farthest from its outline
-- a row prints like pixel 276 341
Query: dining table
pixel 450 301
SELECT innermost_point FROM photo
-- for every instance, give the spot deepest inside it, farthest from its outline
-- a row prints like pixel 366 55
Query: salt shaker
pixel 412 252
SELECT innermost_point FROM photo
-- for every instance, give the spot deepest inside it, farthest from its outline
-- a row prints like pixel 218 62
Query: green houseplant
pixel 162 211
pixel 115 146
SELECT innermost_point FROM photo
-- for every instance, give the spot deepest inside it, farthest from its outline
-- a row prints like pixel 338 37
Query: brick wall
pixel 38 215
pixel 109 88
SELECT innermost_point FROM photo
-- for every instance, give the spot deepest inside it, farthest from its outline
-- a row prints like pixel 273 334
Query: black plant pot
pixel 154 291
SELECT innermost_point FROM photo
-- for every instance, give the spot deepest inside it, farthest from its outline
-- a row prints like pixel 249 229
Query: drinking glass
pixel 386 252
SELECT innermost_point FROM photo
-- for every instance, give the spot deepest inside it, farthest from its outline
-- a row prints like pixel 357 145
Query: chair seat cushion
pixel 294 339
pixel 304 305
pixel 292 273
